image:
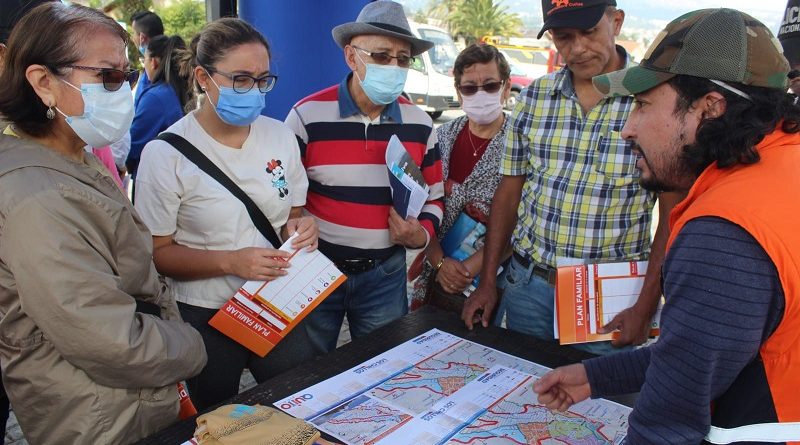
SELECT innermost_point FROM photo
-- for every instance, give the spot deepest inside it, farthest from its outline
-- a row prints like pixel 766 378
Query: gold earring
pixel 50 114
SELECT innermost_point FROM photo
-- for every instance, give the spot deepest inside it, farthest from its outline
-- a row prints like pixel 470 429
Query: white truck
pixel 430 83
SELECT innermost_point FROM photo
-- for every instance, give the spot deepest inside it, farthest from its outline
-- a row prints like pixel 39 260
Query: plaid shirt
pixel 581 197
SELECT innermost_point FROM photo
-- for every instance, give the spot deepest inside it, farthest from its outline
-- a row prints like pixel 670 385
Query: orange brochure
pixel 588 296
pixel 261 314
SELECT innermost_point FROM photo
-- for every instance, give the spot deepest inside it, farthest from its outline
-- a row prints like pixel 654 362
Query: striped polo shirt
pixel 344 153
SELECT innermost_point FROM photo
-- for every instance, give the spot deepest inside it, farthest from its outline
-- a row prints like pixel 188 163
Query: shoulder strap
pixel 193 154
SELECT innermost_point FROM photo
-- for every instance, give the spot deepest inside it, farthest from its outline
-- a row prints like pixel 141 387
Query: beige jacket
pixel 79 364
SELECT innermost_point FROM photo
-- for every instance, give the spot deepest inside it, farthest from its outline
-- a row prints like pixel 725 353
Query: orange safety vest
pixel 762 198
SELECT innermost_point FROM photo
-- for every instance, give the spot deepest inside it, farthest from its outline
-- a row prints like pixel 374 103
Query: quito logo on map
pixel 297 401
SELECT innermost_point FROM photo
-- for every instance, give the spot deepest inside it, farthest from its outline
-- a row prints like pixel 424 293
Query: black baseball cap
pixel 580 14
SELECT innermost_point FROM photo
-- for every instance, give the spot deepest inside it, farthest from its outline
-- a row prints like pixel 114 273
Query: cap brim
pixel 583 18
pixel 342 34
pixel 633 80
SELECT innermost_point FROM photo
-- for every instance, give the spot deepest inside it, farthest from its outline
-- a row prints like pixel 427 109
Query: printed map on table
pixel 441 389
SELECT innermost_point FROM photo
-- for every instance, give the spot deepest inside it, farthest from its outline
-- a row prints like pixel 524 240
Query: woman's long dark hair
pixel 731 138
pixel 168 51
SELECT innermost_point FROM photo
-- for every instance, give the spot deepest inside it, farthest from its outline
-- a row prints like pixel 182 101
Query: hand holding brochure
pixel 261 313
pixel 589 296
pixel 409 190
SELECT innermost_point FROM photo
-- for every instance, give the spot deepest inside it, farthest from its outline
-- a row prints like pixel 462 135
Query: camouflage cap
pixel 720 44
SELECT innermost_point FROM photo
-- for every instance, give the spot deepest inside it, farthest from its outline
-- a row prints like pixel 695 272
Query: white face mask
pixel 107 115
pixel 482 107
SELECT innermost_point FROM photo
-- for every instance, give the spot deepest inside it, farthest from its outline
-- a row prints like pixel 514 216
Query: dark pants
pixel 4 407
pixel 219 380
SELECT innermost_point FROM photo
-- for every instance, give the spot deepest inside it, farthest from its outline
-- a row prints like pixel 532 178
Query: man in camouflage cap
pixel 712 119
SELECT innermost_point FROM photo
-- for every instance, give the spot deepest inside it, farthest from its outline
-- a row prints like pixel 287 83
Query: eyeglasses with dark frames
pixel 491 87
pixel 112 78
pixel 243 83
pixel 403 61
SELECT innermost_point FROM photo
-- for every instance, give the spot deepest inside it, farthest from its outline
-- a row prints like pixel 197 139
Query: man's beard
pixel 676 176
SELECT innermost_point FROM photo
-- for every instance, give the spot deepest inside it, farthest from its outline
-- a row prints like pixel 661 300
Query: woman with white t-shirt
pixel 205 242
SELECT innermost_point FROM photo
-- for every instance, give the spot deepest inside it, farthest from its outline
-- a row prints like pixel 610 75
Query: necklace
pixel 475 149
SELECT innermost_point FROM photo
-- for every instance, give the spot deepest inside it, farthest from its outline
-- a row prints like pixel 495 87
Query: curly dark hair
pixel 730 139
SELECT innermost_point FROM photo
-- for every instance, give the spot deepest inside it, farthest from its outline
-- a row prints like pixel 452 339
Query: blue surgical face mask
pixel 107 115
pixel 142 49
pixel 382 84
pixel 240 109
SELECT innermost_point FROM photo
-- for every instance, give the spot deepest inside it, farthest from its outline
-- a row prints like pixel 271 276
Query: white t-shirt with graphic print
pixel 174 197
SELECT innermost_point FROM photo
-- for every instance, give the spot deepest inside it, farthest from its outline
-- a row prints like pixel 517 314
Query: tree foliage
pixel 184 18
pixel 473 19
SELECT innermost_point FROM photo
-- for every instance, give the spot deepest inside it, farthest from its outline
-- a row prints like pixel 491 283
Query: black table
pixel 360 350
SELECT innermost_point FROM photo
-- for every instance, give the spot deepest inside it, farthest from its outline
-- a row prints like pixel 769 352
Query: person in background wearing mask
pixel 162 101
pixel 79 363
pixel 570 192
pixel 471 148
pixel 344 131
pixel 146 26
pixel 205 242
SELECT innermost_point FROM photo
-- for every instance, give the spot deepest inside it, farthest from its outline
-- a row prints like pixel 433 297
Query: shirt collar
pixel 348 107
pixel 563 80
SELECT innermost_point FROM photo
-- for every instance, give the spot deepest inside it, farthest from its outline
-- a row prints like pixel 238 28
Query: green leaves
pixel 473 19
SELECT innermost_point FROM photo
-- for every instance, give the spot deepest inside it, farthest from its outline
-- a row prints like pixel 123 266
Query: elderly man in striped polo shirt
pixel 343 132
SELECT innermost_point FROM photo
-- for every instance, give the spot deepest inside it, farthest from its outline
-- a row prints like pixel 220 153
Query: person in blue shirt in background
pixel 163 101
pixel 146 26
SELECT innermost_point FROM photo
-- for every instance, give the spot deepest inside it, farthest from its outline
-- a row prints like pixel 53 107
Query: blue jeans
pixel 528 302
pixel 369 299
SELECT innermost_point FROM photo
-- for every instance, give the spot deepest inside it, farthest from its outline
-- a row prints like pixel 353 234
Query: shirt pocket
pixel 614 158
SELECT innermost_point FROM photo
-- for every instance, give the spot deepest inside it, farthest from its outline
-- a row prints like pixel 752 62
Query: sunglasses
pixel 403 61
pixel 112 79
pixel 469 90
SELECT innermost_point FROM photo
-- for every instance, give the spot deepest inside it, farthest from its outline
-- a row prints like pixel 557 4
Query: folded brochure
pixel 588 296
pixel 409 190
pixel 261 313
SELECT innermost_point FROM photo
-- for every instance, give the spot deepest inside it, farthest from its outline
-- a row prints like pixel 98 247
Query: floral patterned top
pixel 477 189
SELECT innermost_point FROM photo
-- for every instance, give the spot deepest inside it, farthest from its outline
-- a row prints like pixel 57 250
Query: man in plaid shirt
pixel 570 191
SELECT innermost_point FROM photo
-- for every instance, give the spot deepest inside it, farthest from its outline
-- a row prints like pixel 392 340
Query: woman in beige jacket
pixel 79 363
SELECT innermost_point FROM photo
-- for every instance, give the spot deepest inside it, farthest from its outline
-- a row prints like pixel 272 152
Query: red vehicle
pixel 519 81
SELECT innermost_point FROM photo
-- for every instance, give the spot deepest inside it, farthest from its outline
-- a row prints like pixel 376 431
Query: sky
pixel 770 12
pixel 650 13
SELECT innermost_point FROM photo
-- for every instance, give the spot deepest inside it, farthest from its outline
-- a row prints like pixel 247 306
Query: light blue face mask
pixel 240 109
pixel 107 115
pixel 383 84
pixel 142 49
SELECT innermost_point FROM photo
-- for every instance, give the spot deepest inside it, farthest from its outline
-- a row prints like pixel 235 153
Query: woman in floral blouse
pixel 471 149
